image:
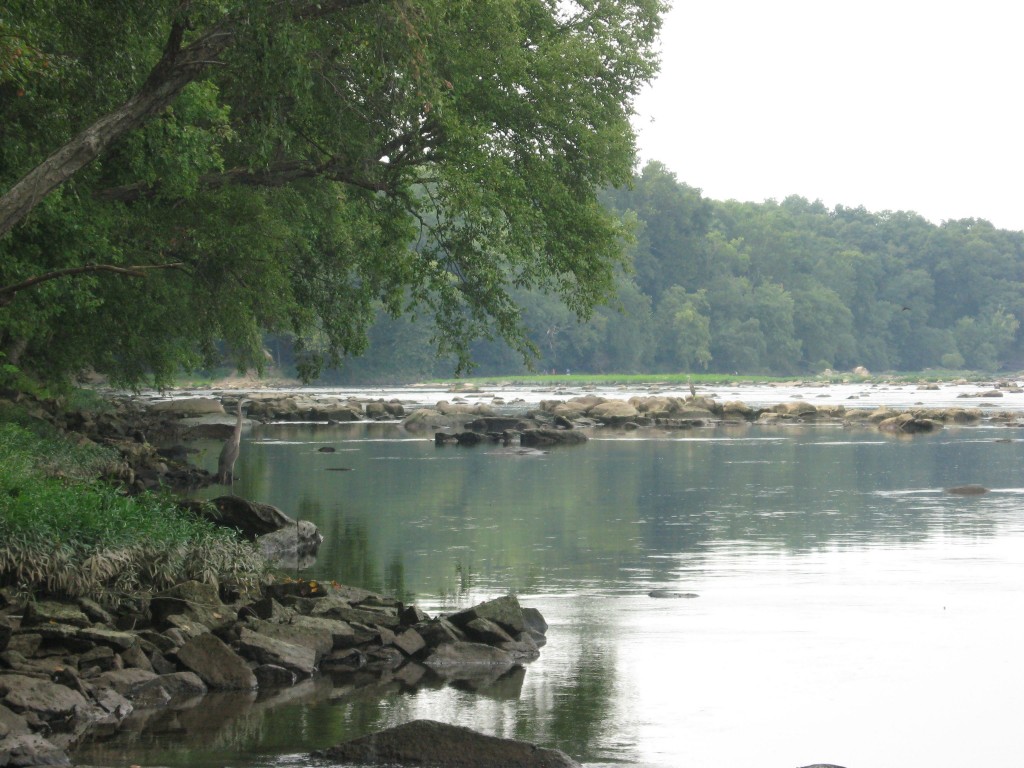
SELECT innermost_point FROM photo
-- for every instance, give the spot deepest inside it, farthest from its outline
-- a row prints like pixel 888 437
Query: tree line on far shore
pixel 777 288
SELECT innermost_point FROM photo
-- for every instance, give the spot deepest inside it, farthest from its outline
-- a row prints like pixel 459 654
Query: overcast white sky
pixel 898 105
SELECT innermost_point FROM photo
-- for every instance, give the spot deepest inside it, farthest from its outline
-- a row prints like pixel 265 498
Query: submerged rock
pixel 967 490
pixel 439 745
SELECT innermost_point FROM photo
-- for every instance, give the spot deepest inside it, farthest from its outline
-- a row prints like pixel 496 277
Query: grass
pixel 64 534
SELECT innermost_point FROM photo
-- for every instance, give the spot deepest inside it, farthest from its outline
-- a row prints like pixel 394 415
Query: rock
pixel 533 438
pixel 218 666
pixel 195 602
pixel 409 642
pixel 430 743
pixel 341 632
pixel 319 639
pixel 189 406
pixel 11 723
pixel 504 611
pixel 430 419
pixel 109 637
pixel 668 593
pixel 167 688
pixel 30 749
pixel 293 546
pixel 967 490
pixel 251 518
pixel 125 681
pixel 50 702
pixel 335 608
pixel 53 612
pixel 273 676
pixel 486 631
pixel 907 423
pixel 613 412
pixel 300 659
pixel 461 655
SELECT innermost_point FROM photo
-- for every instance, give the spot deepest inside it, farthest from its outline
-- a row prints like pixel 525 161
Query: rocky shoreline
pixel 70 667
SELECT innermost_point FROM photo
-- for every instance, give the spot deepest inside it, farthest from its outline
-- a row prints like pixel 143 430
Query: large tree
pixel 179 176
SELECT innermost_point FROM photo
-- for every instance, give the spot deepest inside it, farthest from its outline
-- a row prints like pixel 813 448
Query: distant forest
pixel 775 288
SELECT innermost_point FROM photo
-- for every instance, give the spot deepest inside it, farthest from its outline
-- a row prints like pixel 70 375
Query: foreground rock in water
pixel 437 745
pixel 67 666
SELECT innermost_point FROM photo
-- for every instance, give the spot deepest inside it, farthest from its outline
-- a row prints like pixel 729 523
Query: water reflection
pixel 838 585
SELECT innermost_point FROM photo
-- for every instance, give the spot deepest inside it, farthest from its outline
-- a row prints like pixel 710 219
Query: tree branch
pixel 177 67
pixel 276 175
pixel 8 292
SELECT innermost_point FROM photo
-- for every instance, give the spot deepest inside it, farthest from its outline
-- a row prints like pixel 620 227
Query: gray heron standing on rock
pixel 229 453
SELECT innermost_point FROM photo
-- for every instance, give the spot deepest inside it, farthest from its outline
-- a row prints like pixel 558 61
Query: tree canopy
pixel 782 288
pixel 180 177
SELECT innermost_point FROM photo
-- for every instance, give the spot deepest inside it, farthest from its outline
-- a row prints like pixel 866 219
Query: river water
pixel 849 611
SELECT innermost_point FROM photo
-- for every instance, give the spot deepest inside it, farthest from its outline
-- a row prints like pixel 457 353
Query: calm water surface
pixel 849 611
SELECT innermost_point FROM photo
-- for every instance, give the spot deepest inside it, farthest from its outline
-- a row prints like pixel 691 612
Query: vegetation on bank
pixel 64 532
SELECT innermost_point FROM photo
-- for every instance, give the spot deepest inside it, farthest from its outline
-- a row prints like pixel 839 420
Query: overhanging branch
pixel 8 292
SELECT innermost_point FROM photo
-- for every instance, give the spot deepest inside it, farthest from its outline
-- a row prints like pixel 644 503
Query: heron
pixel 229 453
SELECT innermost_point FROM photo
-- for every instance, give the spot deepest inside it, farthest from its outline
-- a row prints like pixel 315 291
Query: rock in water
pixel 437 745
pixel 668 593
pixel 967 490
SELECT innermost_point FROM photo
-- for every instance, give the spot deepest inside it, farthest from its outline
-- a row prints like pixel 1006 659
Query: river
pixel 849 611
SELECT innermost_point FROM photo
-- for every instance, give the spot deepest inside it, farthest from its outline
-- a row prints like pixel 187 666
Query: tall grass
pixel 61 534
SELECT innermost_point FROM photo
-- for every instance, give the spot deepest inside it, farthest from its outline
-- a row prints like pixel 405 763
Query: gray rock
pixel 273 676
pixel 504 611
pixel 31 749
pixel 319 639
pixel 267 650
pixel 460 655
pixel 967 490
pixel 11 722
pixel 195 601
pixel 113 638
pixel 292 546
pixel 53 612
pixel 429 743
pixel 49 701
pixel 166 688
pixel 335 608
pixel 663 594
pixel 486 631
pixel 124 681
pixel 218 666
pixel 409 642
pixel 534 438
pixel 251 518
pixel 341 632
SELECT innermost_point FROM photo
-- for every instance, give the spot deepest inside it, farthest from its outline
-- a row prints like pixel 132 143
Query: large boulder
pixel 216 664
pixel 438 745
pixel 301 659
pixel 47 701
pixel 250 518
pixel 613 412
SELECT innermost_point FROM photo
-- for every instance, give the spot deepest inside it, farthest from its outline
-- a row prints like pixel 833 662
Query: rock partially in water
pixel 439 745
pixel 967 490
pixel 668 593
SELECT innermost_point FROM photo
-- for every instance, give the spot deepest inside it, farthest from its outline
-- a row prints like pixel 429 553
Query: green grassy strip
pixel 62 534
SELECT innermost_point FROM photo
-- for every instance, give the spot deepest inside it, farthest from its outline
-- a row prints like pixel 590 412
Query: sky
pixel 900 105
